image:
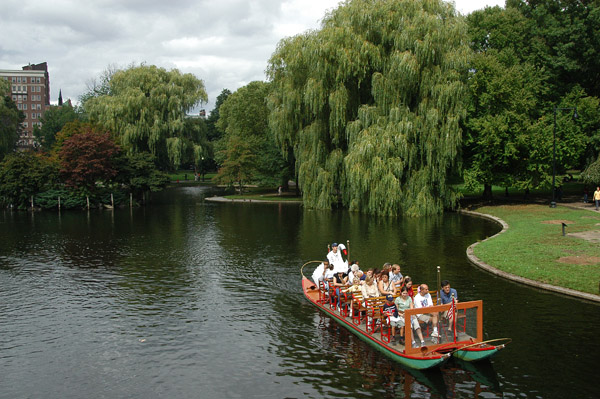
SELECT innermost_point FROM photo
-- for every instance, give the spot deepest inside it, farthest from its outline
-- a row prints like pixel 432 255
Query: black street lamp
pixel 553 202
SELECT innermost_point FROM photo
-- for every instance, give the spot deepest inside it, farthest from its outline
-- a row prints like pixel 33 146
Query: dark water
pixel 188 298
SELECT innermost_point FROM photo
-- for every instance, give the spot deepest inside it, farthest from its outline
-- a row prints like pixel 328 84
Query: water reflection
pixel 187 297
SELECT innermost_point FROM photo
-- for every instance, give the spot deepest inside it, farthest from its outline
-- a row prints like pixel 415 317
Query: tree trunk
pixel 487 191
pixel 506 191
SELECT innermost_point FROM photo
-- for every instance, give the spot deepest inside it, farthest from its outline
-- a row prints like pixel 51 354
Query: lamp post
pixel 553 202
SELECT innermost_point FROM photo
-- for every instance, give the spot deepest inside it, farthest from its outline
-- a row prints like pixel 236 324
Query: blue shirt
pixel 447 298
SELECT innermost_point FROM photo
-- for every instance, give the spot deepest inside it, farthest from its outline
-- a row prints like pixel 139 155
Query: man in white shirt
pixel 423 300
pixel 335 258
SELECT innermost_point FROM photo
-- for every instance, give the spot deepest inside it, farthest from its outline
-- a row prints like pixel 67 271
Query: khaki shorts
pixel 425 317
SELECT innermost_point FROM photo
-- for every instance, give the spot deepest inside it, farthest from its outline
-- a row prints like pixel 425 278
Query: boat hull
pixel 419 362
pixel 476 354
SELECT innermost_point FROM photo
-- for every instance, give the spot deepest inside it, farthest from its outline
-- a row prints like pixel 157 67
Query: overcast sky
pixel 226 43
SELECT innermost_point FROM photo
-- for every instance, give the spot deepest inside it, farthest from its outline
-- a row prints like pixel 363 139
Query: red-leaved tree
pixel 87 158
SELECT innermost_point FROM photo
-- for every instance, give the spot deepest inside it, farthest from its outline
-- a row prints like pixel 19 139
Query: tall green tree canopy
pixel 146 106
pixel 10 121
pixel 53 120
pixel 244 116
pixel 371 105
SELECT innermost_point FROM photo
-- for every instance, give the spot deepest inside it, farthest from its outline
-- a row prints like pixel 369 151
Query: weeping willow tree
pixel 371 104
pixel 146 106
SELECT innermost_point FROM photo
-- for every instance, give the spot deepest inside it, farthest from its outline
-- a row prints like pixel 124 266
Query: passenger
pixel 355 287
pixel 353 269
pixel 335 258
pixel 404 302
pixel 423 300
pixel 387 268
pixel 369 288
pixel 319 272
pixel 361 276
pixel 389 308
pixel 409 286
pixel 396 276
pixel 370 273
pixel 339 282
pixel 447 292
pixel 386 287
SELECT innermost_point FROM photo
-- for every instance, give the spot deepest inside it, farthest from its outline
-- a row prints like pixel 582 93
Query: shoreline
pixel 223 199
pixel 523 280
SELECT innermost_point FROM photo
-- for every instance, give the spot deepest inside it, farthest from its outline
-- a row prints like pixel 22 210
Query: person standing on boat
pixel 335 258
pixel 423 300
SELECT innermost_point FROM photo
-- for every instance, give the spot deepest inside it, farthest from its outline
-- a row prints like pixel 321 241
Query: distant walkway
pixel 247 200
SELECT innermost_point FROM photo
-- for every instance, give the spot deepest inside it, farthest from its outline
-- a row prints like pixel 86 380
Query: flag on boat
pixel 452 311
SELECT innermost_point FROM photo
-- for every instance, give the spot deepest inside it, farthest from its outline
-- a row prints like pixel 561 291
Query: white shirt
pixel 335 258
pixel 423 301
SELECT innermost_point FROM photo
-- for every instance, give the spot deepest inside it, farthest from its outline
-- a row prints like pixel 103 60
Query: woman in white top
pixel 385 286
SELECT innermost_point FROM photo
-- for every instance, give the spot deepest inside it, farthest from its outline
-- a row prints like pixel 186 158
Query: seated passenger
pixel 409 286
pixel 447 292
pixel 338 283
pixel 355 287
pixel 319 272
pixel 389 309
pixel 423 300
pixel 385 286
pixel 353 269
pixel 404 302
pixel 396 276
pixel 369 288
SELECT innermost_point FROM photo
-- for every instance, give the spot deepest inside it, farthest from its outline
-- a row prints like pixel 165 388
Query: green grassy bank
pixel 534 247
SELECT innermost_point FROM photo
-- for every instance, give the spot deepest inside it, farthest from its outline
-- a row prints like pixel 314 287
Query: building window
pixel 14 88
pixel 20 98
pixel 24 97
pixel 24 106
pixel 19 106
pixel 14 80
pixel 25 124
pixel 14 97
pixel 32 115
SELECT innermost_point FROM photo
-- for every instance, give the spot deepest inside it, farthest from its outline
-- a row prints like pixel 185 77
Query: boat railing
pixel 466 327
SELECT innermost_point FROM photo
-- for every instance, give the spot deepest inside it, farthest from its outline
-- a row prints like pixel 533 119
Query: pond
pixel 190 298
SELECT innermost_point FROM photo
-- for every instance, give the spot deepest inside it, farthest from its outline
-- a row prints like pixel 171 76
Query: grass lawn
pixel 533 246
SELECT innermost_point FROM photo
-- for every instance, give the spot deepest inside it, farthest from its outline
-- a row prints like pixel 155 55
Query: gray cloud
pixel 227 43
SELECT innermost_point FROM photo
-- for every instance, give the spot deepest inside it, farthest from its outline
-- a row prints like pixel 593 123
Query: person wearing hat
pixel 390 309
pixel 335 258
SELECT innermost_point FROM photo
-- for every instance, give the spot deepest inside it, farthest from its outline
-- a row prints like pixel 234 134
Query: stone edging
pixel 223 199
pixel 479 263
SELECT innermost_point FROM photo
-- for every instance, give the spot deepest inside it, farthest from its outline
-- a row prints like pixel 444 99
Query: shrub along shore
pixel 534 247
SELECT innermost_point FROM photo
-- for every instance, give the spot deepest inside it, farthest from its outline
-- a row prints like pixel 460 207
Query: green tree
pixel 371 104
pixel 10 121
pixel 88 158
pixel 213 132
pixel 24 174
pixel 146 106
pixel 239 165
pixel 138 172
pixel 54 119
pixel 243 116
pixel 505 103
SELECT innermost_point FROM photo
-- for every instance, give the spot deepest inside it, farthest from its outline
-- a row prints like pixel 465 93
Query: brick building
pixel 30 90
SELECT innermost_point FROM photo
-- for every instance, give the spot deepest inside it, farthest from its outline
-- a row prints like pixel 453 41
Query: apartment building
pixel 30 90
